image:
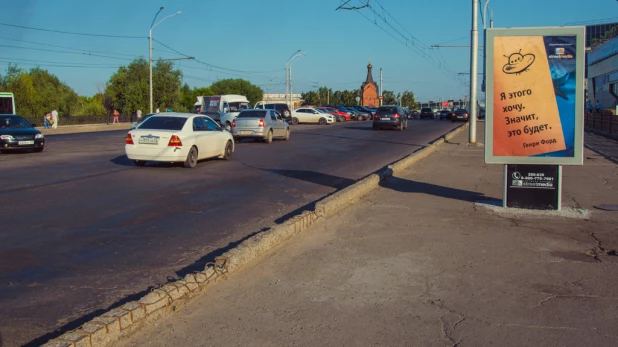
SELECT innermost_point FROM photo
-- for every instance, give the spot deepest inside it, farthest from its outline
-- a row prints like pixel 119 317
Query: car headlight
pixel 39 136
pixel 7 137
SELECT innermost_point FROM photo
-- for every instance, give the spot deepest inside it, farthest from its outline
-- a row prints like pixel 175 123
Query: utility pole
pixel 473 70
pixel 328 98
pixel 380 86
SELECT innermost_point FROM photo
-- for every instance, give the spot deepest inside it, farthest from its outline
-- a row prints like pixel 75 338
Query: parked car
pixel 426 112
pixel 16 134
pixel 445 114
pixel 461 115
pixel 414 114
pixel 372 109
pixel 348 114
pixel 260 124
pixel 136 124
pixel 281 108
pixel 339 116
pixel 312 115
pixel 178 137
pixel 391 116
pixel 362 111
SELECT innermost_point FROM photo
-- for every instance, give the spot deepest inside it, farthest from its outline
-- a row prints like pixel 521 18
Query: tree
pixel 238 86
pixel 37 91
pixel 389 98
pixel 128 88
pixel 408 100
pixel 345 97
pixel 311 98
pixel 189 96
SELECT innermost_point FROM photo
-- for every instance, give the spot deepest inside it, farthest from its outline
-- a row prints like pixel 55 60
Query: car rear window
pixel 387 110
pixel 252 114
pixel 163 123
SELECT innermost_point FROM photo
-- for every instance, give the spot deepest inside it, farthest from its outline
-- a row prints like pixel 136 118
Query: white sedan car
pixel 178 137
pixel 312 115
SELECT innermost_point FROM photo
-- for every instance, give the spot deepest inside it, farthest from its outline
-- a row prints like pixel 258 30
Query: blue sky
pixel 258 37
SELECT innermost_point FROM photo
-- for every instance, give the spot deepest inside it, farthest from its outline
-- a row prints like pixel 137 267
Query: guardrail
pixel 603 121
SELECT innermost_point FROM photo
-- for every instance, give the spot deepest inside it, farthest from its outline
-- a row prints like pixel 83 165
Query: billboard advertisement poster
pixel 535 92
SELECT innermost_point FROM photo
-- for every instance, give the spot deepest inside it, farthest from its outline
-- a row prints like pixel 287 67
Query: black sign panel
pixel 533 187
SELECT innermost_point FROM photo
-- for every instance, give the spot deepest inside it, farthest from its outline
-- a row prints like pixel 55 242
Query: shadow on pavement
pixel 607 148
pixel 314 177
pixel 122 160
pixel 408 186
pixel 365 140
pixel 198 265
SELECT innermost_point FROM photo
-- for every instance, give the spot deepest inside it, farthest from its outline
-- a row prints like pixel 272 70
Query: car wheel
pixel 269 137
pixel 287 135
pixel 191 161
pixel 375 127
pixel 322 121
pixel 295 121
pixel 228 127
pixel 139 162
pixel 237 139
pixel 227 155
pixel 286 113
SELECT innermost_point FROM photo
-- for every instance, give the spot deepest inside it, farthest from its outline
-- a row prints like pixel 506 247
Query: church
pixel 369 90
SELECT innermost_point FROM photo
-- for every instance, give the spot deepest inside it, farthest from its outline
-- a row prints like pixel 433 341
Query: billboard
pixel 535 96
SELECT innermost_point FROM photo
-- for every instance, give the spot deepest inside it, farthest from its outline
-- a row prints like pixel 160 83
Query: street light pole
pixel 152 26
pixel 473 70
pixel 288 66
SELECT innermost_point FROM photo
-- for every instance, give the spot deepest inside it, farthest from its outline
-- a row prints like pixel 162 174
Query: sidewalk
pixel 86 128
pixel 415 264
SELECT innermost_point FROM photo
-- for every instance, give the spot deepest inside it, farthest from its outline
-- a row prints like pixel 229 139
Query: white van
pixel 7 103
pixel 224 108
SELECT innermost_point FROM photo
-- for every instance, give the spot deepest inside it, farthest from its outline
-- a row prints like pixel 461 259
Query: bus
pixel 7 103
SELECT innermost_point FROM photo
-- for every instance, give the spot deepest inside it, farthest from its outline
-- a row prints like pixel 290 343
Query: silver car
pixel 260 124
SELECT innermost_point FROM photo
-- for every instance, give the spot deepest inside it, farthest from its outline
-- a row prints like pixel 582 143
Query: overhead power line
pixel 65 47
pixel 402 35
pixel 74 33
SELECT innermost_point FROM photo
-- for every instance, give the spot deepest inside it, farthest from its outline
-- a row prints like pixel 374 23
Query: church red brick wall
pixel 369 91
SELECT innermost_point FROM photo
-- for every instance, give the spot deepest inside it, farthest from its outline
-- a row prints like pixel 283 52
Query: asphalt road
pixel 83 229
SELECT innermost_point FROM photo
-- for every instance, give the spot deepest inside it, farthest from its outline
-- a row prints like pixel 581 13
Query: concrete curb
pixel 116 323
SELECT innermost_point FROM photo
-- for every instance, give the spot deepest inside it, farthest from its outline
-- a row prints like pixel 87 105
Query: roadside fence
pixel 82 120
pixel 603 121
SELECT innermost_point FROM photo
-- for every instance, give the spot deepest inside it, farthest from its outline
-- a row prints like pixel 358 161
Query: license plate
pixel 25 143
pixel 460 116
pixel 246 132
pixel 149 140
pixel 385 118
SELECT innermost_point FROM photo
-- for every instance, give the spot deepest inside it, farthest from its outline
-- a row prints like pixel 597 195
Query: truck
pixel 197 106
pixel 224 108
pixel 7 103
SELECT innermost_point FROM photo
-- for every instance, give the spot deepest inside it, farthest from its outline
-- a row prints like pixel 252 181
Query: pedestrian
pixel 589 106
pixel 46 119
pixel 139 115
pixel 598 106
pixel 158 110
pixel 116 115
pixel 54 115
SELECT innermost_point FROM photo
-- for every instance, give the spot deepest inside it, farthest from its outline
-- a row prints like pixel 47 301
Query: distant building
pixel 283 98
pixel 369 91
pixel 602 64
